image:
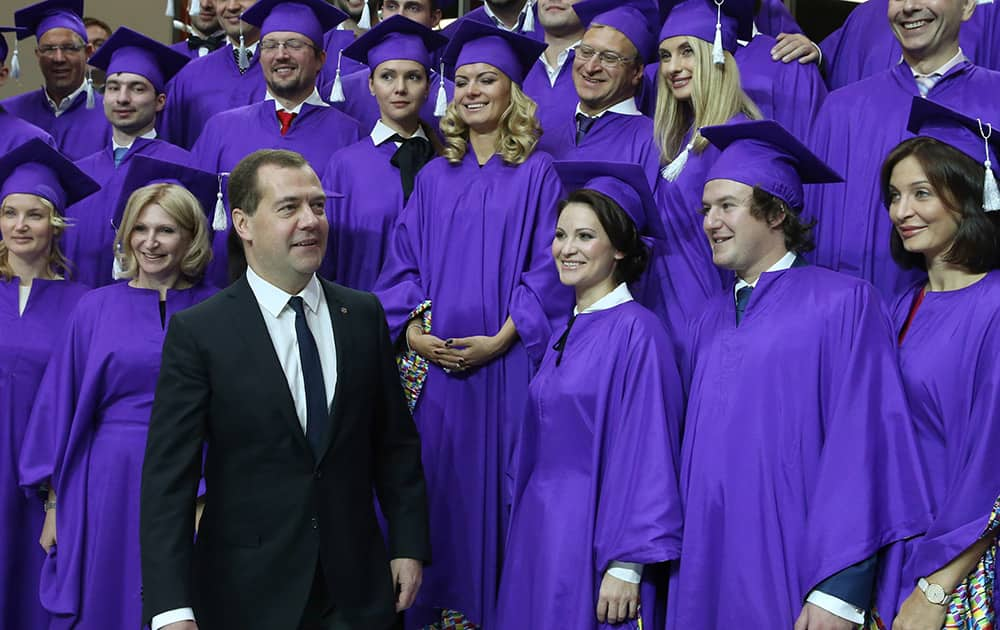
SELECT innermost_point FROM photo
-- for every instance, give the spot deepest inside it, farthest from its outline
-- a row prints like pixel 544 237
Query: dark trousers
pixel 318 614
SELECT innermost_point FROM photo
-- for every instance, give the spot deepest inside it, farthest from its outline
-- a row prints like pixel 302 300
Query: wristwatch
pixel 933 592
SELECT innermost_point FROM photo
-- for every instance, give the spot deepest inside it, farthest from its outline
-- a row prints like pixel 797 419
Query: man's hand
pixel 795 46
pixel 47 539
pixel 181 625
pixel 407 574
pixel 813 617
pixel 617 601
pixel 917 613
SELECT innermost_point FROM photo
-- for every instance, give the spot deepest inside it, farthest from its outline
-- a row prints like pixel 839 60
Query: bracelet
pixel 49 505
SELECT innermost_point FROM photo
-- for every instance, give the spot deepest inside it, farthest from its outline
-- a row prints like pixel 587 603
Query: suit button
pixel 318 475
pixel 315 523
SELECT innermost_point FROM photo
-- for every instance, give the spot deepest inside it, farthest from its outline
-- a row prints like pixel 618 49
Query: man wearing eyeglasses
pixel 291 116
pixel 67 107
pixel 607 72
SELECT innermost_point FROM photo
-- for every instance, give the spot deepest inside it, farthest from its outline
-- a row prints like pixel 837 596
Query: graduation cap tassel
pixel 90 91
pixel 243 60
pixel 529 18
pixel 337 91
pixel 441 104
pixel 365 21
pixel 15 63
pixel 219 223
pixel 117 270
pixel 195 8
pixel 991 193
pixel 672 171
pixel 718 55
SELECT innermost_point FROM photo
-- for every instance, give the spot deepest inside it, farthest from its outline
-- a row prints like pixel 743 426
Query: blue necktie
pixel 317 409
pixel 120 155
pixel 583 125
pixel 742 299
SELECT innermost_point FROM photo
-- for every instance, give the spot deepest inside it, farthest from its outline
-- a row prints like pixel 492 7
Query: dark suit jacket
pixel 272 509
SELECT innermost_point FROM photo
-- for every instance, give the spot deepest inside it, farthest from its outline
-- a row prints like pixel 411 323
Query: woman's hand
pixel 425 344
pixel 917 613
pixel 618 600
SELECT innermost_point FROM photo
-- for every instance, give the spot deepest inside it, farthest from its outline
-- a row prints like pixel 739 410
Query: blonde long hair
pixel 182 207
pixel 716 96
pixel 57 263
pixel 519 130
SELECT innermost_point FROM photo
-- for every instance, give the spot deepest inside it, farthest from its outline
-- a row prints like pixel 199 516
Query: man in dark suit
pixel 290 383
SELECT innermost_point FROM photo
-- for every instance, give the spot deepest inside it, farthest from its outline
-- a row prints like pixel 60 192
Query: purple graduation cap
pixel 626 183
pixel 37 19
pixel 129 51
pixel 143 171
pixel 475 42
pixel 705 20
pixel 35 168
pixel 762 153
pixel 972 136
pixel 635 19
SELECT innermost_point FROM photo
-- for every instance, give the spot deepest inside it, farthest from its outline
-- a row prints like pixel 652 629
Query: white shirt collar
pixel 381 133
pixel 63 105
pixel 520 19
pixel 149 135
pixel 785 262
pixel 560 62
pixel 313 99
pixel 626 108
pixel 948 65
pixel 274 300
pixel 619 295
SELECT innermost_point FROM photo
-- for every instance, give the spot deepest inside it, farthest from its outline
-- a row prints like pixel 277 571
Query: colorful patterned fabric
pixel 452 620
pixel 413 367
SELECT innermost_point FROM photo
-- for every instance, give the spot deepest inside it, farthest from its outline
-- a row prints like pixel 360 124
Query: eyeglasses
pixel 291 45
pixel 608 59
pixel 66 49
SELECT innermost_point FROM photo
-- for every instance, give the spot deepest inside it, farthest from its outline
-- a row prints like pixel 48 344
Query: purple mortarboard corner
pixel 762 153
pixel 475 42
pixel 129 51
pixel 143 171
pixel 42 17
pixel 398 38
pixel 35 168
pixel 635 19
pixel 625 183
pixel 310 18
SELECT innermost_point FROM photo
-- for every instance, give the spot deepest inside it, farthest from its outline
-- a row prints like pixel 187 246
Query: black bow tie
pixel 212 42
pixel 409 158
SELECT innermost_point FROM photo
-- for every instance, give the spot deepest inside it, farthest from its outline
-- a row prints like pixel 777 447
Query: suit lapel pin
pixel 343 310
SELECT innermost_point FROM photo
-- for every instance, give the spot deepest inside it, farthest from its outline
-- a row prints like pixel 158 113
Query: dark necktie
pixel 120 155
pixel 212 42
pixel 742 299
pixel 409 158
pixel 317 407
pixel 583 125
pixel 236 58
pixel 286 120
pixel 563 338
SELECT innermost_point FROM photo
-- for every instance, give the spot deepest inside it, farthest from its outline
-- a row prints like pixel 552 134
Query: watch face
pixel 935 594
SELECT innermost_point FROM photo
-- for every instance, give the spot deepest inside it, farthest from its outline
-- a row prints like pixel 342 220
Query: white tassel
pixel 991 193
pixel 672 171
pixel 15 63
pixel 529 19
pixel 718 54
pixel 441 104
pixel 219 223
pixel 195 8
pixel 90 91
pixel 337 91
pixel 366 17
pixel 243 60
pixel 170 9
pixel 117 271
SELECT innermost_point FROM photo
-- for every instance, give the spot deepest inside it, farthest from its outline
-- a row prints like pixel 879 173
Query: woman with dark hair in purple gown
pixel 597 458
pixel 36 184
pixel 471 246
pixel 399 53
pixel 87 432
pixel 947 223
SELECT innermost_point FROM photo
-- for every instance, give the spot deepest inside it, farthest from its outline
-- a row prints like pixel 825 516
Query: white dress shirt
pixel 58 109
pixel 381 133
pixel 553 72
pixel 280 321
pixel 149 135
pixel 626 108
pixel 925 82
pixel 785 262
pixel 522 18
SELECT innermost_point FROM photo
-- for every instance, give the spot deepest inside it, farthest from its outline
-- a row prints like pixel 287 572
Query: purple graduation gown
pixel 204 87
pixel 479 14
pixel 773 18
pixel 790 93
pixel 333 42
pixel 360 103
pixel 595 470
pixel 89 241
pixel 14 132
pixel 683 265
pixel 797 459
pixel 317 133
pixel 361 222
pixel 613 137
pixel 25 346
pixel 556 103
pixel 953 395
pixel 78 132
pixel 87 434
pixel 854 132
pixel 475 241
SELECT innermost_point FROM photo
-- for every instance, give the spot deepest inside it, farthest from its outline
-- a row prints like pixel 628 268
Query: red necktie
pixel 286 120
